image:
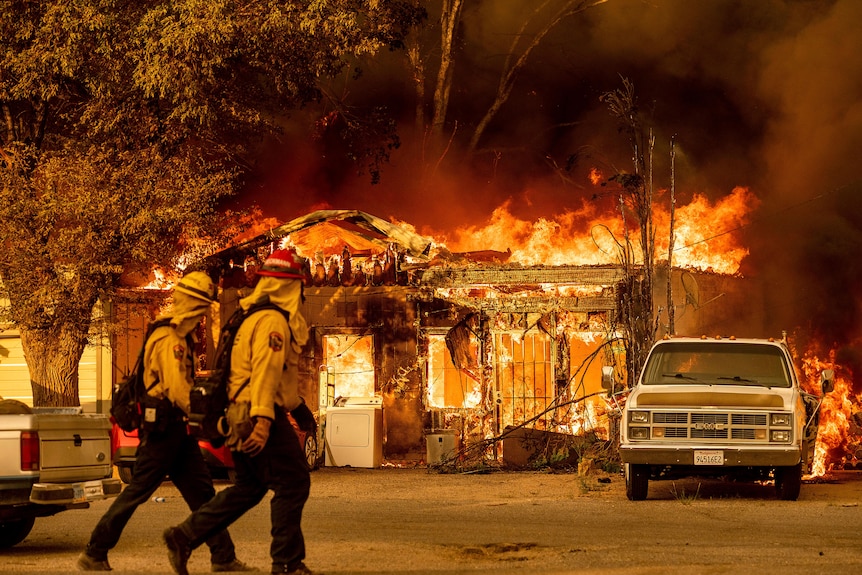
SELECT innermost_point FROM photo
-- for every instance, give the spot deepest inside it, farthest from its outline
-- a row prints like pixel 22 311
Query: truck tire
pixel 14 532
pixel 637 481
pixel 788 482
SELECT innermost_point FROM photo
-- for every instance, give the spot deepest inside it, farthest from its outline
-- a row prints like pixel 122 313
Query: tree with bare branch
pixel 523 44
pixel 635 295
pixel 539 22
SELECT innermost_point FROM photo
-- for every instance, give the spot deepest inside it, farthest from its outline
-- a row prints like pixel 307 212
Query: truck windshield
pixel 717 364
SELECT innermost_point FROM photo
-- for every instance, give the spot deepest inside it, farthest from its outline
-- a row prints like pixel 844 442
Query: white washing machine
pixel 354 433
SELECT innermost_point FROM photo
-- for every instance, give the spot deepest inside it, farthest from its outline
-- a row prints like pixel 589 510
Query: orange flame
pixel 704 237
pixel 349 360
pixel 834 447
pixel 703 232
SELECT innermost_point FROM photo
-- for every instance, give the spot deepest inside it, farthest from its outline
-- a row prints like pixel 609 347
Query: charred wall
pixel 387 314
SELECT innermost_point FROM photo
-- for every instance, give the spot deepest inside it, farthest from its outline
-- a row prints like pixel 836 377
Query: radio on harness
pixel 208 399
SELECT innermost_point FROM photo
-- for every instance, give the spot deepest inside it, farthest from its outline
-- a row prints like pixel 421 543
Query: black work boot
pixel 299 569
pixel 88 563
pixel 234 566
pixel 179 549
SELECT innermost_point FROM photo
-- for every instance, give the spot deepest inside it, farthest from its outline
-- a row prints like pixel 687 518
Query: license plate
pixel 87 491
pixel 709 457
pixel 93 490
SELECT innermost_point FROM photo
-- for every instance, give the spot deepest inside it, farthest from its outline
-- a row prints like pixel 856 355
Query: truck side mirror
pixel 827 380
pixel 608 377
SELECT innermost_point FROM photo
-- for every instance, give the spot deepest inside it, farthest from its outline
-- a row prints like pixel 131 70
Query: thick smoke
pixel 761 94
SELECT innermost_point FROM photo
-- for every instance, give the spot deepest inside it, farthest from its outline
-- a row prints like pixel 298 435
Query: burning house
pixel 461 346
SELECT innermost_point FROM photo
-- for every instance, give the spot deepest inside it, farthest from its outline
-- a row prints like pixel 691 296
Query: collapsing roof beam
pixel 416 245
pixel 562 275
pixel 535 304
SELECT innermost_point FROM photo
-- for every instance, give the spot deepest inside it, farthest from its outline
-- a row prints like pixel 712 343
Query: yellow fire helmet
pixel 198 285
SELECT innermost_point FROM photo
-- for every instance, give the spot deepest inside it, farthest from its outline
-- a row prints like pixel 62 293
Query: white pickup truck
pixel 720 407
pixel 51 460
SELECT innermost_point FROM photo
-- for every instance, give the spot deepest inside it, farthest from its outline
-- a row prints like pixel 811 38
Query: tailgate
pixel 74 447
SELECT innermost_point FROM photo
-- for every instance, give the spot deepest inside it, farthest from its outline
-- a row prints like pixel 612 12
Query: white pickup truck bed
pixel 51 460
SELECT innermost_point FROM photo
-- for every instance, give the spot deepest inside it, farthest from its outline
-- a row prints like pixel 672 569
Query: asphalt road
pixel 411 521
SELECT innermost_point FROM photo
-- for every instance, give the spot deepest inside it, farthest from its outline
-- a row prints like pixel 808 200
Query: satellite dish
pixel 692 294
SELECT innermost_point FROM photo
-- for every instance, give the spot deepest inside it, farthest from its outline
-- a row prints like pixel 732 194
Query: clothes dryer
pixel 354 433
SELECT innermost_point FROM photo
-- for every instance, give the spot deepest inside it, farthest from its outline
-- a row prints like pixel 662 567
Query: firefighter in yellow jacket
pixel 166 448
pixel 265 447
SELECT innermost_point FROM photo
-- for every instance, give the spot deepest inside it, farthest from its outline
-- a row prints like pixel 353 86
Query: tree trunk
pixel 53 357
pixel 417 72
pixel 449 20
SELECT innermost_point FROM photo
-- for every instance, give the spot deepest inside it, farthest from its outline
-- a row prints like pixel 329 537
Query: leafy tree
pixel 122 125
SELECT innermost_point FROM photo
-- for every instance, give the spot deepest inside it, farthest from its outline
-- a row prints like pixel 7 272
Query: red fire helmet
pixel 283 264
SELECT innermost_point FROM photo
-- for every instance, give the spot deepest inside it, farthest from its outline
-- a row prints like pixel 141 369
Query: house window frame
pixel 321 335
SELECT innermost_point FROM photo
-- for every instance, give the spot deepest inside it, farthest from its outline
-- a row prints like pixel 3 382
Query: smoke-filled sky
pixel 765 94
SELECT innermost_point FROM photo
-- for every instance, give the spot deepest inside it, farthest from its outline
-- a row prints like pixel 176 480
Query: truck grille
pixel 660 417
pixel 724 426
pixel 709 433
pixel 749 419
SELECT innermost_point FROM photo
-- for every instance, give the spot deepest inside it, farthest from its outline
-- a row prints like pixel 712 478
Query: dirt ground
pixel 415 521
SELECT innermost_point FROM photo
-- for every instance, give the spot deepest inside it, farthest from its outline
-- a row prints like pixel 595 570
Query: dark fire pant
pixel 174 454
pixel 281 467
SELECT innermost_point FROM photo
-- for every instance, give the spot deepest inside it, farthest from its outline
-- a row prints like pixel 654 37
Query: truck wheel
pixel 637 481
pixel 125 473
pixel 14 532
pixel 788 482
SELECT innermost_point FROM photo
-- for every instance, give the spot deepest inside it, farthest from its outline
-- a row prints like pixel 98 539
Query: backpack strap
pixel 261 305
pixel 150 329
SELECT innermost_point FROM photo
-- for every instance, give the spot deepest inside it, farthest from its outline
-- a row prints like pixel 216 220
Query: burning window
pixel 524 373
pixel 349 362
pixel 449 386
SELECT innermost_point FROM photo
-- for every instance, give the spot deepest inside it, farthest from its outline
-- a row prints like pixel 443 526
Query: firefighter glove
pixel 254 443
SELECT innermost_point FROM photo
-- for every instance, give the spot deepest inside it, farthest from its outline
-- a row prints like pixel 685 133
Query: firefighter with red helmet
pixel 166 448
pixel 264 374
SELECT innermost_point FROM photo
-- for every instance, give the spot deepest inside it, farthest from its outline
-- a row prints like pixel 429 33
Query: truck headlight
pixel 780 435
pixel 780 419
pixel 638 432
pixel 639 416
